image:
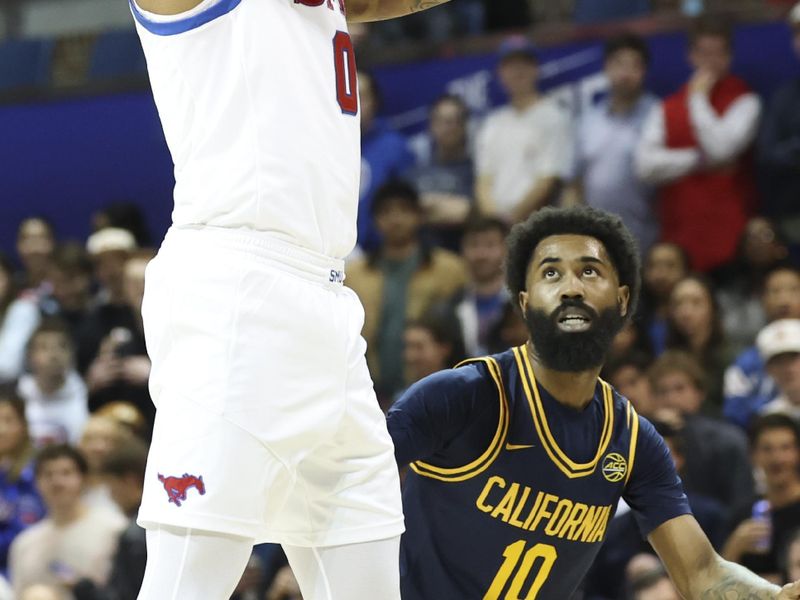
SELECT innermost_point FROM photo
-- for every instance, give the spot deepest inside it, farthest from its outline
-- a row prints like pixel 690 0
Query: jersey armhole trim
pixel 456 474
pixel 182 25
pixel 633 424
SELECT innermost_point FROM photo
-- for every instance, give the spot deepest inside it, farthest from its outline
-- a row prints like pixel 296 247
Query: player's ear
pixel 523 301
pixel 623 299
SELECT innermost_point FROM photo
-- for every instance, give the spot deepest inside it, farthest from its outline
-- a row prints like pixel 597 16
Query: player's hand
pixel 790 592
pixel 748 537
pixel 702 82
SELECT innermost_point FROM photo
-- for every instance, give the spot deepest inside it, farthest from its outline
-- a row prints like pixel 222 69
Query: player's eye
pixel 549 273
pixel 591 271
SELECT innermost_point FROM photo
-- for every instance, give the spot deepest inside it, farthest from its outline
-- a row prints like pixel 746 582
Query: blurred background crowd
pixel 707 177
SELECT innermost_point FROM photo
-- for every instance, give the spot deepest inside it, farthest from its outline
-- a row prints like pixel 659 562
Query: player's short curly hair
pixel 583 220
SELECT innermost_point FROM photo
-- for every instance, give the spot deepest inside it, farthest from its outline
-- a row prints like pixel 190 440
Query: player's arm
pixel 167 7
pixel 701 574
pixel 380 10
pixel 435 411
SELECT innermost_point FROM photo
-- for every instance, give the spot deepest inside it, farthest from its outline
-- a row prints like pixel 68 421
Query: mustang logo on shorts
pixel 176 487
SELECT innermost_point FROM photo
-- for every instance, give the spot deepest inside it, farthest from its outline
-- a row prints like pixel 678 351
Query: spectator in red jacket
pixel 696 146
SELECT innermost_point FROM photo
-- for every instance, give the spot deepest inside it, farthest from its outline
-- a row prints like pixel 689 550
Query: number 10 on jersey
pixel 344 60
pixel 513 553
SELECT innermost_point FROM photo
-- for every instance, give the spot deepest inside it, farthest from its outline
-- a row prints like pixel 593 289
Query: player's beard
pixel 573 351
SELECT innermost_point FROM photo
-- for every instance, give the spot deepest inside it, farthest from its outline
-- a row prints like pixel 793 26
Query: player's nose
pixel 572 287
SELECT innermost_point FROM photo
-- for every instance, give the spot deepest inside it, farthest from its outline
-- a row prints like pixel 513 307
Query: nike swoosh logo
pixel 518 446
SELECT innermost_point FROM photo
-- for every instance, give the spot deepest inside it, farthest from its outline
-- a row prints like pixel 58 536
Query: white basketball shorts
pixel 267 424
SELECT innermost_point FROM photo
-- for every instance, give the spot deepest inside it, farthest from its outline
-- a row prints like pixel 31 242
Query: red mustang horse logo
pixel 176 487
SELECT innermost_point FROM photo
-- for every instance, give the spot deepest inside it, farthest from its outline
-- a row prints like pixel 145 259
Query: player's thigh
pixel 356 462
pixel 186 563
pixel 257 345
pixel 365 571
pixel 207 473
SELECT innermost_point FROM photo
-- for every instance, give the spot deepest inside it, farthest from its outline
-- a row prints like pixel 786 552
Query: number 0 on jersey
pixel 344 59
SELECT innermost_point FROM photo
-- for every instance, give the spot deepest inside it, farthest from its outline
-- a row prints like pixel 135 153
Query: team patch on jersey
pixel 615 467
pixel 176 487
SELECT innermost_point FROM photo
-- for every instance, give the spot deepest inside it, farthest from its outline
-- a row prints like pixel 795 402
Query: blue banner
pixel 66 159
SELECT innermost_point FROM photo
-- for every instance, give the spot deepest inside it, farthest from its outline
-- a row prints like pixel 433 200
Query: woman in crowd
pixel 18 319
pixel 20 505
pixel 664 266
pixel 741 284
pixel 694 325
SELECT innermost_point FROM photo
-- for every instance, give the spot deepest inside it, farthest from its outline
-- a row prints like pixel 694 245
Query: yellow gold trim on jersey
pixel 634 427
pixel 567 466
pixel 483 462
pixel 628 409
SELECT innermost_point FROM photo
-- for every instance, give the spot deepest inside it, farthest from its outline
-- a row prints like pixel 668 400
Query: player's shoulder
pixel 472 377
pixel 465 377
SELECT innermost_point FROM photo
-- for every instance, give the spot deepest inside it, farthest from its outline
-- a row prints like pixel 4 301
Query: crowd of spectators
pixel 712 357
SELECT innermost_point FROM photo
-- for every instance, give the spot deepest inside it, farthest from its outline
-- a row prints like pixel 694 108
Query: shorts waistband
pixel 299 261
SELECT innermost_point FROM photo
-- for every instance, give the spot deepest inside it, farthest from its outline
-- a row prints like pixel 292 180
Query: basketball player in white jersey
pixel 267 427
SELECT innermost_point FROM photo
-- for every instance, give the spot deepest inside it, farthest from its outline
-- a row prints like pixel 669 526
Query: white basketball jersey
pixel 259 104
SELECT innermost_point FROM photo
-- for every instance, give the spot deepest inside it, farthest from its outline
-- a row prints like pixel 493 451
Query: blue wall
pixel 66 159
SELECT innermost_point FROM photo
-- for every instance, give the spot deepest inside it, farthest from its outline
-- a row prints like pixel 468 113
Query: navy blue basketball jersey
pixel 510 493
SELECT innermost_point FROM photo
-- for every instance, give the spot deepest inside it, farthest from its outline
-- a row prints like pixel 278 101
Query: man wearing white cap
pixel 779 345
pixel 779 149
pixel 109 249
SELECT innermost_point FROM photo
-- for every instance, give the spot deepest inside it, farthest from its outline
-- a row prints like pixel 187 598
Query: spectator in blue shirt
pixel 604 174
pixel 20 504
pixel 747 386
pixel 479 305
pixel 445 174
pixel 385 156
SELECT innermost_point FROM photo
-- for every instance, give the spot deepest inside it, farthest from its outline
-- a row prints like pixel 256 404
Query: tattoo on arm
pixel 737 583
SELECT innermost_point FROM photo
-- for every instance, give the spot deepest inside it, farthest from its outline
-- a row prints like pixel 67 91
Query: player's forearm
pixel 725 580
pixel 380 10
